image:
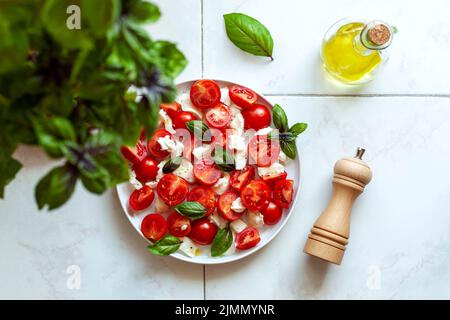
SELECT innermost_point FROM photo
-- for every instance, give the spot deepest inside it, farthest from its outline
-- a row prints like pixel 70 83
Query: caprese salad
pixel 214 170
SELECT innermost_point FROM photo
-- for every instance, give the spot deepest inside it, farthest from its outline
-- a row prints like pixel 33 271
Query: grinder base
pixel 323 251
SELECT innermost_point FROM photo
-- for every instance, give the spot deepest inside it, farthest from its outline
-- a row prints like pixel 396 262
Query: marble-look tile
pixel 399 244
pixel 418 54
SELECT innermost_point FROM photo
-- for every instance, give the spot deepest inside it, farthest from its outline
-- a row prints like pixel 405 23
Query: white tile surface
pixel 419 54
pixel 400 223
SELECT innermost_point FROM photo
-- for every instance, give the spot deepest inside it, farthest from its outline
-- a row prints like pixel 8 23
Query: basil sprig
pixel 286 135
pixel 222 242
pixel 172 165
pixel 165 246
pixel 200 129
pixel 191 209
pixel 224 160
pixel 248 34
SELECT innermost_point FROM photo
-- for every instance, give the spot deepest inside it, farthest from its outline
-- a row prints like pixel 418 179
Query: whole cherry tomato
pixel 272 214
pixel 179 119
pixel 146 170
pixel 256 116
pixel 203 231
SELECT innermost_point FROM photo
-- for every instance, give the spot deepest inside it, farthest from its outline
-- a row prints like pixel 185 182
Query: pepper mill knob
pixel 331 231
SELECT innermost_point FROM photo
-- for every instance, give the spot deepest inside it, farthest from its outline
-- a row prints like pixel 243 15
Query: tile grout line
pixel 202 72
pixel 344 95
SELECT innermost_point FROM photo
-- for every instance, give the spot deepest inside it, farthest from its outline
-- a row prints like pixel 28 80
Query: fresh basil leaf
pixel 298 128
pixel 56 187
pixel 172 164
pixel 191 209
pixel 8 170
pixel 165 246
pixel 289 148
pixel 199 128
pixel 170 61
pixel 224 160
pixel 96 185
pixel 248 34
pixel 100 15
pixel 279 118
pixel 144 12
pixel 222 242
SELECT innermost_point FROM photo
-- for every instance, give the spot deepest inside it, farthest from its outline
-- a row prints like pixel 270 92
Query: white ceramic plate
pixel 267 232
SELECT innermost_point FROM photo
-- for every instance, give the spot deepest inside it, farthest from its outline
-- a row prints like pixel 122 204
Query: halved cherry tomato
pixel 256 195
pixel 205 196
pixel 154 148
pixel 256 116
pixel 272 214
pixel 224 206
pixel 146 170
pixel 206 174
pixel 247 238
pixel 282 193
pixel 141 198
pixel 154 226
pixel 240 178
pixel 272 179
pixel 219 116
pixel 203 231
pixel 171 108
pixel 135 154
pixel 179 226
pixel 172 189
pixel 263 150
pixel 205 94
pixel 242 96
pixel 179 119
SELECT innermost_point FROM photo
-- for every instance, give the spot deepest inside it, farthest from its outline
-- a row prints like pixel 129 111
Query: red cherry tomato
pixel 263 151
pixel 247 238
pixel 206 174
pixel 146 170
pixel 272 179
pixel 205 94
pixel 171 108
pixel 205 196
pixel 154 227
pixel 179 119
pixel 282 193
pixel 272 214
pixel 142 198
pixel 256 116
pixel 179 226
pixel 242 96
pixel 172 189
pixel 256 195
pixel 224 206
pixel 219 116
pixel 203 231
pixel 154 148
pixel 135 154
pixel 240 178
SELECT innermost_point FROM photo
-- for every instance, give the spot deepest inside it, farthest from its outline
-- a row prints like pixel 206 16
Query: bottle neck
pixel 375 36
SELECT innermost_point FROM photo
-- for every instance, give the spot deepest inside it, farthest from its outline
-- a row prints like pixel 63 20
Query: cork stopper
pixel 379 34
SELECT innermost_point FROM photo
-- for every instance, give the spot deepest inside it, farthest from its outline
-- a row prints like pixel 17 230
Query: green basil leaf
pixel 199 128
pixel 8 170
pixel 165 246
pixel 100 15
pixel 289 148
pixel 56 187
pixel 298 128
pixel 248 34
pixel 144 12
pixel 224 160
pixel 191 209
pixel 279 118
pixel 222 242
pixel 170 61
pixel 172 164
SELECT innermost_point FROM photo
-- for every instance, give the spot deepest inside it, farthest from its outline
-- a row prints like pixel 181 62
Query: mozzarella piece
pixel 264 131
pixel 283 157
pixel 133 180
pixel 160 173
pixel 152 184
pixel 225 96
pixel 255 219
pixel 167 121
pixel 186 105
pixel 238 225
pixel 237 123
pixel 174 147
pixel 190 248
pixel 185 171
pixel 240 159
pixel 274 169
pixel 236 142
pixel 218 220
pixel 160 206
pixel 202 152
pixel 237 205
pixel 222 184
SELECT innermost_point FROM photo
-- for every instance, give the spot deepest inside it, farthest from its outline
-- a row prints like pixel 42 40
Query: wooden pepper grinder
pixel 331 231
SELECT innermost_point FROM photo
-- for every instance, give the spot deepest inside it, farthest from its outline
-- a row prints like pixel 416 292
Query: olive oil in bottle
pixel 353 50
